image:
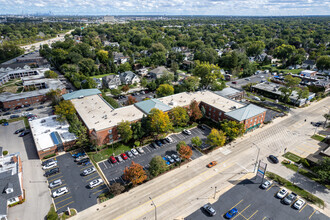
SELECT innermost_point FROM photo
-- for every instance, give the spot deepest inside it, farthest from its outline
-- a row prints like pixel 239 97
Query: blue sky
pixel 168 7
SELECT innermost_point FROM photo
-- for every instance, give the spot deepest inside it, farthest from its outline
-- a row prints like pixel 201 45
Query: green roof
pixel 245 112
pixel 81 93
pixel 147 105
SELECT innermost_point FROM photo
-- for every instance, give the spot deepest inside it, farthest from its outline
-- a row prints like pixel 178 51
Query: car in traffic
pixel 60 191
pixel 212 164
pixel 95 183
pixel 282 193
pixel 134 152
pixel 124 156
pixel 52 171
pixel 209 209
pixel 19 130
pixel 50 165
pixel 187 132
pixel 231 213
pixel 266 184
pixel 89 171
pixel 140 150
pixel 112 159
pixel 55 183
pixel 25 132
pixel 299 204
pixel 273 158
pixel 176 157
pixel 288 200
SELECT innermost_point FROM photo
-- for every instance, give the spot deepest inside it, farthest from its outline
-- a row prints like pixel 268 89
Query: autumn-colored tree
pixel 185 152
pixel 194 111
pixel 131 100
pixel 159 121
pixel 216 138
pixel 179 116
pixel 232 129
pixel 125 88
pixel 103 56
pixel 65 110
pixel 180 144
pixel 125 131
pixel 135 173
pixel 165 90
pixel 116 188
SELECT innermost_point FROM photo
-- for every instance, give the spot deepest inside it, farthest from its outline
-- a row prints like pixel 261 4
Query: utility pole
pixel 154 206
pixel 215 191
pixel 255 166
pixel 299 167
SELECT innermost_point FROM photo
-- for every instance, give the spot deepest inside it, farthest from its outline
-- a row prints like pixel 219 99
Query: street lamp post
pixel 255 166
pixel 299 167
pixel 326 118
pixel 154 206
pixel 215 191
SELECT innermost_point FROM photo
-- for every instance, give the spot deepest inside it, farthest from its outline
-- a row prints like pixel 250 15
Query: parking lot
pixel 114 172
pixel 252 202
pixel 80 196
pixel 137 95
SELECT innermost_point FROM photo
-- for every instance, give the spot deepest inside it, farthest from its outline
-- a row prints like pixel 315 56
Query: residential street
pixel 179 193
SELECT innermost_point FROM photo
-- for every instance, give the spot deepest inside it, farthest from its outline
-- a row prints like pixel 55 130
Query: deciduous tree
pixel 216 138
pixel 208 73
pixel 51 74
pixel 191 83
pixel 157 166
pixel 185 152
pixel 196 141
pixel 159 121
pixel 135 174
pixel 179 116
pixel 65 110
pixel 323 62
pixel 131 100
pixel 165 90
pixel 232 129
pixel 194 111
pixel 125 131
pixel 116 188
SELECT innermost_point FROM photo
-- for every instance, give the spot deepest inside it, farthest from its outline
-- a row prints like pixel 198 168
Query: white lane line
pixel 147 149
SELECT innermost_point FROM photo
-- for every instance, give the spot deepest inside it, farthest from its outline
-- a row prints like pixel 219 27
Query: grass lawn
pixel 275 69
pixel 318 137
pixel 100 76
pixel 106 153
pixel 292 156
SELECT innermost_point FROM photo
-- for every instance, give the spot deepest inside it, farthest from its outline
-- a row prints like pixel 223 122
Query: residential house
pixel 142 72
pixel 120 58
pixel 111 81
pixel 111 44
pixel 158 72
pixel 308 64
pixel 98 82
pixel 187 64
pixel 128 78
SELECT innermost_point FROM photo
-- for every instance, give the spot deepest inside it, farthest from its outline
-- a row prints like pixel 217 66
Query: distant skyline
pixel 167 7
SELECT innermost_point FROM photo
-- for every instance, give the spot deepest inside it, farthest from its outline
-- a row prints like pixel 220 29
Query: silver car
pixel 119 158
pixel 55 183
pixel 266 184
pixel 282 193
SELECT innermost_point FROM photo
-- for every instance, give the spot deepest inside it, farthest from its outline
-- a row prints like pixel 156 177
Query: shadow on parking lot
pixel 30 147
pixel 242 182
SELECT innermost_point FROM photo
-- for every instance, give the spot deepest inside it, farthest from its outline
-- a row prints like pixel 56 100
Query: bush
pixel 5 153
pixel 52 215
pixel 49 156
pixel 304 162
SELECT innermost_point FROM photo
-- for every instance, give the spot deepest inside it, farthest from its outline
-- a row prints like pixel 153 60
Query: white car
pixel 186 131
pixel 95 183
pixel 169 139
pixel 299 204
pixel 50 165
pixel 282 193
pixel 266 184
pixel 89 171
pixel 134 152
pixel 60 191
pixel 55 183
pixel 140 150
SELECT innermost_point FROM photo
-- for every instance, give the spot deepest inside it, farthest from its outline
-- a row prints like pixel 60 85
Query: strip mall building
pixel 101 119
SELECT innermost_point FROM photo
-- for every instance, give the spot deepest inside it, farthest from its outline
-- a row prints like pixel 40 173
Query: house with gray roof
pixel 111 81
pixel 158 72
pixel 147 105
pixel 128 78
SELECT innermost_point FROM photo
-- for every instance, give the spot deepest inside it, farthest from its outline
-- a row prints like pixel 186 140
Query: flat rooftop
pixel 208 97
pixel 48 131
pixel 99 115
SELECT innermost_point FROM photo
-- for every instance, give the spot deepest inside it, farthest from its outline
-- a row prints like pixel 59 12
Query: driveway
pixel 114 172
pixel 37 203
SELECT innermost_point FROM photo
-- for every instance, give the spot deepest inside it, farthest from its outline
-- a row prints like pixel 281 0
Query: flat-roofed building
pixel 51 136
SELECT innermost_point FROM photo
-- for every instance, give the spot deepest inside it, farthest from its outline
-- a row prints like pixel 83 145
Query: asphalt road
pixel 252 202
pixel 114 172
pixel 79 196
pixel 252 79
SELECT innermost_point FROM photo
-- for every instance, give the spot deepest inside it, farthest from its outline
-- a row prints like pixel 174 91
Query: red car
pixel 124 156
pixel 113 159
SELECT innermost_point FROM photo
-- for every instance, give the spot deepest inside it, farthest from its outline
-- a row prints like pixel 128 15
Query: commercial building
pixel 11 182
pixel 6 75
pixel 51 136
pixel 101 119
pixel 231 93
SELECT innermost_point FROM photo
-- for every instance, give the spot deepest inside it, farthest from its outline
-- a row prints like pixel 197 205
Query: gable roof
pixel 159 70
pixel 245 112
pixel 147 105
pixel 81 92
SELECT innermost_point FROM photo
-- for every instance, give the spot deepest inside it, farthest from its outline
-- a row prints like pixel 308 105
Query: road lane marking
pixel 252 215
pixel 303 207
pixel 63 200
pixel 65 205
pixel 312 214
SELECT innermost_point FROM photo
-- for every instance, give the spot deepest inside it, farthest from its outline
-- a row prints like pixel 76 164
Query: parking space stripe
pixel 51 180
pixel 62 196
pixel 99 186
pixel 312 214
pixel 303 207
pixel 99 190
pixel 240 213
pixel 63 200
pixel 270 187
pixel 236 205
pixel 148 149
pixel 65 205
pixel 86 167
pixel 58 186
pixel 252 215
pixel 92 177
pixel 105 165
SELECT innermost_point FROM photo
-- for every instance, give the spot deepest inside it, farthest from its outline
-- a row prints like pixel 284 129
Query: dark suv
pixel 52 172
pixel 47 161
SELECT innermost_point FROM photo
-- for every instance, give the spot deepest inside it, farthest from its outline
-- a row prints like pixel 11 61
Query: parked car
pixel 84 161
pixel 81 157
pixel 80 154
pixel 234 82
pixel 25 132
pixel 113 159
pixel 47 161
pixel 169 158
pixel 29 109
pixel 212 164
pixel 14 116
pixel 60 191
pixel 266 184
pixel 89 171
pixel 176 157
pixel 7 113
pixel 124 156
pixel 273 158
pixel 119 158
pixel 299 204
pixel 209 209
pixel 288 200
pixel 201 127
pixel 55 183
pixel 282 193
pixel 50 165
pixel 19 130
pixel 5 123
pixel 52 171
pixel 169 139
pixel 153 144
pixel 163 141
pixel 231 213
pixel 159 143
pixel 140 150
pixel 166 160
pixel 134 152
pixel 247 79
pixel 129 154
pixel 27 105
pixel 40 107
pixel 95 183
pixel 185 131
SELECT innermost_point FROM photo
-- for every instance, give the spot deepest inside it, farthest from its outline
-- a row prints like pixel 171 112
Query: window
pixel 110 136
pixel 110 131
